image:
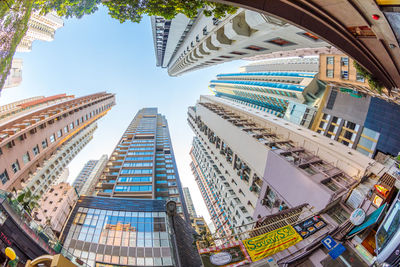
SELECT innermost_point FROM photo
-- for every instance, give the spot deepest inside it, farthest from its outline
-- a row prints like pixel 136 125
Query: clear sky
pixel 97 53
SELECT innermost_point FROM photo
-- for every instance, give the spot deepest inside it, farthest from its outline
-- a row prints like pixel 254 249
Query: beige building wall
pixel 55 206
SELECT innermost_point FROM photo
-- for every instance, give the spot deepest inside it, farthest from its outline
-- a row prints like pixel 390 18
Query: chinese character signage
pixel 310 226
pixel 262 246
pixel 229 255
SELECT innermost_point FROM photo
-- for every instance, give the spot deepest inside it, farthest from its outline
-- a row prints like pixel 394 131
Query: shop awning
pixel 370 220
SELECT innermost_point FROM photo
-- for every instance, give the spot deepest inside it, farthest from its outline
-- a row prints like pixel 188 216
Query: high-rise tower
pixel 183 45
pixel 143 164
pixel 30 138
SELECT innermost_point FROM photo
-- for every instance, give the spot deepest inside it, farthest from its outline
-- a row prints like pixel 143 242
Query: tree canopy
pixel 134 10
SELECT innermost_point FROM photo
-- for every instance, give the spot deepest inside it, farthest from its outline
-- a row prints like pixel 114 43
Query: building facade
pixel 339 71
pixel 221 201
pixel 87 179
pixel 14 78
pixel 142 164
pixel 40 27
pixel 50 173
pixel 292 94
pixel 26 141
pixel 184 45
pixel 189 202
pixel 55 206
pixel 247 146
pixel 8 111
pixel 111 231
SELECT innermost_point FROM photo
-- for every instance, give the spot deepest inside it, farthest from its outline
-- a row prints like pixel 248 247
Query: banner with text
pixel 264 245
pixel 229 255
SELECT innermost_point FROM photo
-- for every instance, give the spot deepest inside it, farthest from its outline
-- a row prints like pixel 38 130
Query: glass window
pixel 15 166
pixel 35 150
pixel 330 60
pixel 26 158
pixel 344 61
pixel 59 133
pixel 71 126
pixel 329 73
pixel 4 177
pixel 52 138
pixel 44 143
pixel 360 78
pixel 389 227
pixel 66 129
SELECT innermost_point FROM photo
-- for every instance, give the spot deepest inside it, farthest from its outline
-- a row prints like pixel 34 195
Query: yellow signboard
pixel 262 246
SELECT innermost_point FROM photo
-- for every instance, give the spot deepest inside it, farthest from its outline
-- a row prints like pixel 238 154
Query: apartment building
pixel 338 70
pixel 29 139
pixel 248 147
pixel 189 203
pixel 14 78
pixel 292 93
pixel 50 172
pixel 142 164
pixel 55 206
pixel 87 179
pixel 40 27
pixel 184 45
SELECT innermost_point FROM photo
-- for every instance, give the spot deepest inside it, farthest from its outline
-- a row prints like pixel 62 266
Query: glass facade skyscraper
pixel 127 223
pixel 119 232
pixel 142 165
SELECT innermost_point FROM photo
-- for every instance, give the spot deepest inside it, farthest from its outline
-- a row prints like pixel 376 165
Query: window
pixel 15 166
pixel 255 48
pixel 330 60
pixel 135 179
pixel 309 36
pixel 77 122
pixel 71 126
pixel 52 138
pixel 44 143
pixel 344 74
pixel 136 171
pixel 66 129
pixel 26 158
pixel 238 53
pixel 225 57
pixel 133 188
pixel 4 177
pixel 360 78
pixel 344 61
pixel 59 133
pixel 329 73
pixel 280 42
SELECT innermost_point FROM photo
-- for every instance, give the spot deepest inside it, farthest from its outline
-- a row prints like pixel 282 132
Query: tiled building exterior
pixel 184 45
pixel 28 140
pixel 143 164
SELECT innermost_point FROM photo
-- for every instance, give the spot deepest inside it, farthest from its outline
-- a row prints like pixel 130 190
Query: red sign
pixel 5 238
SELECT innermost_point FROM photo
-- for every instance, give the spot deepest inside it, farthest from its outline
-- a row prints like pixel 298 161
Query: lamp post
pixel 171 212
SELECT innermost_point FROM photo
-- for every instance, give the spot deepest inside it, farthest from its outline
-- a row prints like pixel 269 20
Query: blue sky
pixel 97 53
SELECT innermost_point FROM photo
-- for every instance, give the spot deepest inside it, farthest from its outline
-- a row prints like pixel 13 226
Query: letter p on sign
pixel 328 242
